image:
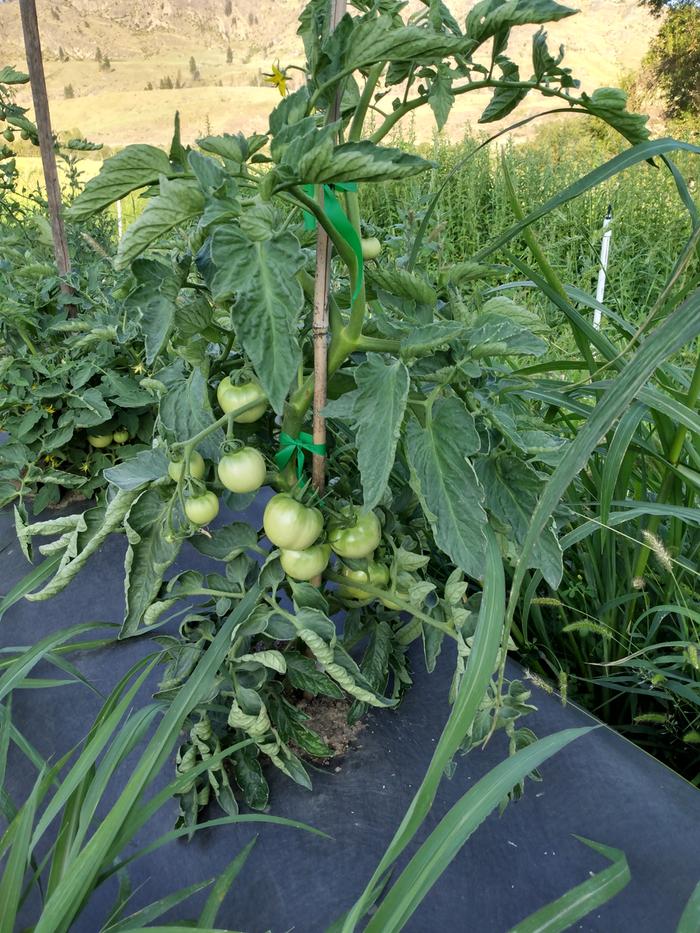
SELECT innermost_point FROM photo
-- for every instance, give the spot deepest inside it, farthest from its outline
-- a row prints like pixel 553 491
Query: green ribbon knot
pixel 289 445
pixel 339 219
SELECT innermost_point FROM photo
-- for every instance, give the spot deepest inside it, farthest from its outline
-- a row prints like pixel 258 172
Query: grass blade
pixel 480 667
pixel 126 740
pixel 690 919
pixel 561 914
pixel 82 768
pixel 5 731
pixel 65 902
pixel 208 824
pixel 156 909
pixel 11 882
pixel 16 671
pixel 443 844
pixel 617 451
pixel 207 918
pixel 29 582
pixel 678 328
pixel 175 929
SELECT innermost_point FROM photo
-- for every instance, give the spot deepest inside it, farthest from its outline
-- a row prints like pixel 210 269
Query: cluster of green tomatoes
pixel 242 470
pixel 99 441
pixel 290 525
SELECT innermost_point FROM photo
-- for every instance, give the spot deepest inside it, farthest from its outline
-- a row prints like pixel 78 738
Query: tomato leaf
pixel 227 542
pixel 261 275
pixel 374 665
pixel 364 161
pixel 133 168
pixel 146 466
pixel 402 284
pixel 505 99
pixel 8 75
pixel 431 337
pixel 185 410
pixel 512 492
pixel 440 96
pixel 249 777
pixel 179 201
pixel 155 299
pixel 377 413
pixel 303 674
pixel 445 482
pixel 375 41
pixel 490 17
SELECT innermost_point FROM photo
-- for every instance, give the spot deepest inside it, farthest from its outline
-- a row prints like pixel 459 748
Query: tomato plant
pixel 438 446
pixel 62 381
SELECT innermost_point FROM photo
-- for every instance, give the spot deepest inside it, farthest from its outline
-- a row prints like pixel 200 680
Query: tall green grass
pixel 622 633
pixel 650 225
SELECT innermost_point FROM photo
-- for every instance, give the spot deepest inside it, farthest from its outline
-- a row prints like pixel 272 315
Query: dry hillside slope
pixel 149 42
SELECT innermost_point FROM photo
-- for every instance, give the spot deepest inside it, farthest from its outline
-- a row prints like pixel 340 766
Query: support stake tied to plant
pixel 321 291
pixel 35 65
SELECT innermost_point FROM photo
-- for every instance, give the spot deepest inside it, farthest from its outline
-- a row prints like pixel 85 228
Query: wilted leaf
pixel 149 555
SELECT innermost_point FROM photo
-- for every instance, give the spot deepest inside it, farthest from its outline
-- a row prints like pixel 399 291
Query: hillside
pixel 148 43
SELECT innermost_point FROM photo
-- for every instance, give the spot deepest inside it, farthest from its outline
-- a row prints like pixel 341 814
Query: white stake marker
pixel 602 274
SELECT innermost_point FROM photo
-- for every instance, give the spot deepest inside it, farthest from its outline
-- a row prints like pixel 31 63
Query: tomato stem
pixel 395 598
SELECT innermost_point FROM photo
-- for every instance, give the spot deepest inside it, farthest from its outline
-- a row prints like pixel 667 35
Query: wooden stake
pixel 320 319
pixel 35 63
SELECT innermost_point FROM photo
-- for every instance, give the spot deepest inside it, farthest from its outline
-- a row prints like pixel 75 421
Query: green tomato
pixel 371 247
pixel 243 470
pixel 376 575
pixel 305 564
pixel 289 524
pixel 357 540
pixel 231 397
pixel 121 436
pixel 202 509
pixel 9 135
pixel 197 467
pixel 99 440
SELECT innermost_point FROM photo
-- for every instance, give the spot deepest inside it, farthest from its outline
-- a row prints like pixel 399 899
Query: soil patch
pixel 329 719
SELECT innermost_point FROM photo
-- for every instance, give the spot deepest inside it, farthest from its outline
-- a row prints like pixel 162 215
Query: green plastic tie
pixel 289 445
pixel 339 219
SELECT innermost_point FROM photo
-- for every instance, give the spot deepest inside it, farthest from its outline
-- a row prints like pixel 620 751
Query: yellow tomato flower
pixel 85 466
pixel 278 79
pixel 49 409
pixel 138 369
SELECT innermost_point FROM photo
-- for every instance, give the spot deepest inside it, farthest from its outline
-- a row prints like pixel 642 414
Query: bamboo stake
pixel 320 319
pixel 35 64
